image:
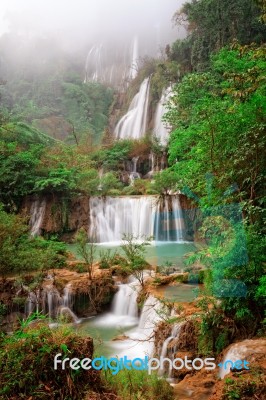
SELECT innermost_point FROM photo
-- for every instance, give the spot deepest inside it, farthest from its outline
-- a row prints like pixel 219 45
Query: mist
pixel 76 23
pixel 96 35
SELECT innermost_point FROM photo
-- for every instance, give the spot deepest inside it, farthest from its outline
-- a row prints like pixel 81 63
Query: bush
pixel 20 253
pixel 129 190
pixel 136 385
pixel 27 364
pixel 114 192
pixel 107 259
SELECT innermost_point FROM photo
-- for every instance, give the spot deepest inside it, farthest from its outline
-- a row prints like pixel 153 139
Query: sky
pixel 84 20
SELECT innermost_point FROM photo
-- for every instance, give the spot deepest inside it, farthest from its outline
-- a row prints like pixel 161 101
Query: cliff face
pixel 60 215
pixel 191 215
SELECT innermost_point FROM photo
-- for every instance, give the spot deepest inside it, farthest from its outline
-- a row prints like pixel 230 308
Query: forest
pixel 81 167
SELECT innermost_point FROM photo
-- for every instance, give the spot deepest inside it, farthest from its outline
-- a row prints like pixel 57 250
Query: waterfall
pixel 134 60
pixel 150 315
pixel 160 130
pixel 112 217
pixel 170 353
pixel 169 224
pixel 125 300
pixel 134 174
pixel 30 303
pixel 240 351
pixel 67 295
pixel 124 309
pixel 139 216
pixel 49 301
pixel 37 213
pixel 151 162
pixel 134 123
pixel 93 66
pixel 142 338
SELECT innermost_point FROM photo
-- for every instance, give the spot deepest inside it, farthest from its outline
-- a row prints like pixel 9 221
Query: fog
pixel 32 29
pixel 77 22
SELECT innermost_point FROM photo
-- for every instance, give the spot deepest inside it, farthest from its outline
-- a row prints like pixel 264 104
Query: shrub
pixel 107 259
pixel 27 364
pixel 114 192
pixel 136 385
pixel 129 190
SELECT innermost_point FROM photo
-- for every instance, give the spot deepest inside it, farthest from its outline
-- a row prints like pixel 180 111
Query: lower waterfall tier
pixel 169 218
pixel 141 217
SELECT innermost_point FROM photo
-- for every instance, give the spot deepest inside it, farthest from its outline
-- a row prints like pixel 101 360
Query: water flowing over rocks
pixel 170 218
pixel 133 124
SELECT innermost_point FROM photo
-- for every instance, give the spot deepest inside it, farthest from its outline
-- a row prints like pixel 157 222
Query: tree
pixel 213 24
pixel 20 253
pixel 108 182
pixel 165 181
pixel 17 172
pixel 86 250
pixel 135 256
pixel 219 125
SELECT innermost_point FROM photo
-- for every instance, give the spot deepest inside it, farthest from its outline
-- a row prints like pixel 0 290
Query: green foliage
pixel 17 172
pixel 134 250
pixel 241 387
pixel 107 259
pixel 24 135
pixel 20 253
pixel 109 182
pixel 86 250
pixel 141 186
pixel 113 157
pixel 136 384
pixel 27 364
pixel 60 180
pixel 212 24
pixel 219 120
pixel 82 109
pixel 165 182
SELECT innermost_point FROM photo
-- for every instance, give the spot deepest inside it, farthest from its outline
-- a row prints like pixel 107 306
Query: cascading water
pixel 124 310
pixel 93 67
pixel 135 57
pixel 241 351
pixel 139 216
pixel 50 302
pixel 160 130
pixel 37 213
pixel 125 301
pixel 112 217
pixel 134 123
pixel 169 224
pixel 166 352
pixel 141 339
pixel 134 174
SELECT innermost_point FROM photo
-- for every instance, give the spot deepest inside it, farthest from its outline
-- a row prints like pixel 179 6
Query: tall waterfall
pixel 134 62
pixel 160 130
pixel 134 123
pixel 37 212
pixel 140 216
pixel 93 67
